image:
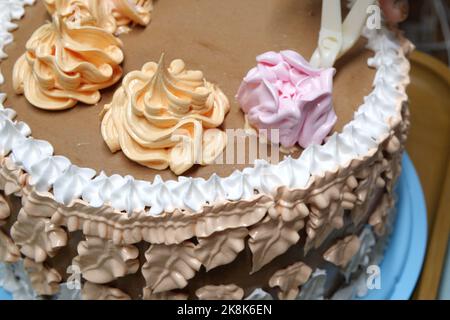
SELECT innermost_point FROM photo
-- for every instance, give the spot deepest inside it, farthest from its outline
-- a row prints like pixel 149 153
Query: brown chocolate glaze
pixel 221 38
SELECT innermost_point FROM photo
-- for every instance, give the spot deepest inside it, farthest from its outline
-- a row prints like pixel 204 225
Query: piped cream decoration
pixel 290 279
pixel 328 209
pixel 368 254
pixel 165 118
pixel 31 151
pixel 11 133
pixel 37 237
pixel 92 291
pixel 221 247
pixel 123 193
pixel 373 123
pixel 44 173
pixel 12 178
pixel 314 288
pixel 276 234
pixel 101 261
pixel 45 281
pixel 341 253
pixel 222 292
pixel 362 258
pixel 66 62
pixel 167 295
pixel 8 250
pixel 112 15
pixel 366 178
pixel 5 212
pixel 379 217
pixel 167 229
pixel 71 183
pixel 170 267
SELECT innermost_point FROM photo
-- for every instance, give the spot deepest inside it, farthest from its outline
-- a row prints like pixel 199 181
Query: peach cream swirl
pixel 166 117
pixel 65 63
pixel 71 58
pixel 111 15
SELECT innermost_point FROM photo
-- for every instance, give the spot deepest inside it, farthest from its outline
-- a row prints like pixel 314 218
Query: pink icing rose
pixel 285 92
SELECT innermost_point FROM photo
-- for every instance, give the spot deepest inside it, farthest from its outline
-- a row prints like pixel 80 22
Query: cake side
pixel 224 257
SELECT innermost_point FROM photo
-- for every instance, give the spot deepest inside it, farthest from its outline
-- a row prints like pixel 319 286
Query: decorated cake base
pixel 400 264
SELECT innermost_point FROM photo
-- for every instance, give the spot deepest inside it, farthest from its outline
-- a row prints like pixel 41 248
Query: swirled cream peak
pixel 112 15
pixel 65 63
pixel 285 93
pixel 166 118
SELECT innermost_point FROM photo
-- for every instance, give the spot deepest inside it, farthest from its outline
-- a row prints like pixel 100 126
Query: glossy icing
pixel 166 117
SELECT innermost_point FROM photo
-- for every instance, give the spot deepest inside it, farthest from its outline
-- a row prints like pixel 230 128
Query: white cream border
pixel 372 123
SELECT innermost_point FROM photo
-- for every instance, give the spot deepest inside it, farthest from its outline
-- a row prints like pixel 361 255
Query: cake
pixel 117 123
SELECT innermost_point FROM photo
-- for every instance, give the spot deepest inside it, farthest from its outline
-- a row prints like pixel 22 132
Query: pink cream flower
pixel 285 92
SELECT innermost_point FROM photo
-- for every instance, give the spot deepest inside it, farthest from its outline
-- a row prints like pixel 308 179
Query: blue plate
pixel 405 253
